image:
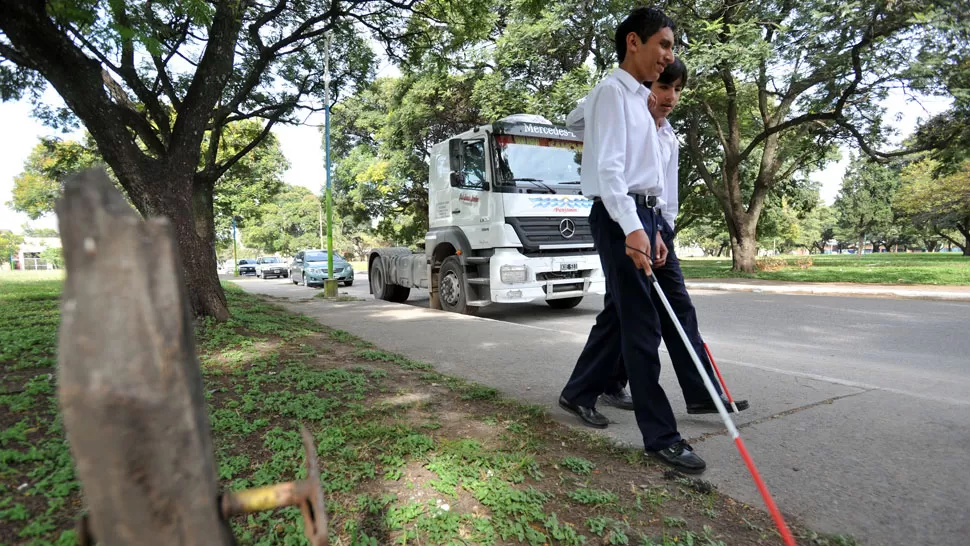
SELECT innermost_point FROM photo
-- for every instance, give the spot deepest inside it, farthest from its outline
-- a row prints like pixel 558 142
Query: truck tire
pixel 564 303
pixel 451 287
pixel 382 290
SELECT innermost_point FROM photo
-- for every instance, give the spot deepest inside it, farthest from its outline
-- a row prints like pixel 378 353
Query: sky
pixel 303 147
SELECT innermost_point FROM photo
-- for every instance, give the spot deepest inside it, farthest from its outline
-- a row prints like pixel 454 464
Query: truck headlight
pixel 513 273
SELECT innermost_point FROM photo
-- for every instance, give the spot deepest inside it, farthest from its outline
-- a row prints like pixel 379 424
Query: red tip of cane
pixel 763 489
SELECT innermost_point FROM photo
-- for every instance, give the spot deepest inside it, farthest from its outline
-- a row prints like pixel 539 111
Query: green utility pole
pixel 235 262
pixel 330 285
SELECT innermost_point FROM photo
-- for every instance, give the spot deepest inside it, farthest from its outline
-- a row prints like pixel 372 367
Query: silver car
pixel 271 266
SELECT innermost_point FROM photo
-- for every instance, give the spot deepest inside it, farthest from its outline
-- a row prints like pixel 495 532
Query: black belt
pixel 649 201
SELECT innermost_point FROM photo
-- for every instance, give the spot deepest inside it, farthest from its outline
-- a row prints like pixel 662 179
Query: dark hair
pixel 645 22
pixel 674 71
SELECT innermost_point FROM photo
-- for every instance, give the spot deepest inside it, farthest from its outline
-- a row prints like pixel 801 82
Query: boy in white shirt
pixel 622 171
pixel 664 96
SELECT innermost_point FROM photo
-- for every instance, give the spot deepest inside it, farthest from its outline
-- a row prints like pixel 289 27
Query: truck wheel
pixel 564 303
pixel 384 291
pixel 451 287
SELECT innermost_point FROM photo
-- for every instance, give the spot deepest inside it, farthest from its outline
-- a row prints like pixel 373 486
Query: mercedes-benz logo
pixel 567 228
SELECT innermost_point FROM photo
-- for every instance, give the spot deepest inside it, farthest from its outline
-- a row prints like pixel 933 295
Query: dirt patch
pixel 622 495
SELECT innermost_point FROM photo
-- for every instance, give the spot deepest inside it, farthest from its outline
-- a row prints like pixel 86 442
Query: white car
pixel 271 266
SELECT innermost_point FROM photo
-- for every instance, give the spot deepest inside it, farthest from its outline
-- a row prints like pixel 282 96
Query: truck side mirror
pixel 457 179
pixel 456 149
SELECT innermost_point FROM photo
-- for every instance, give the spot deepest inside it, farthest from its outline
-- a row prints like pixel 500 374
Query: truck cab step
pixel 476 260
pixel 478 280
pixel 478 303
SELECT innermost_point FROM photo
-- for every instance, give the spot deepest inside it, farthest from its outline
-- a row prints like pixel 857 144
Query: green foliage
pixel 593 496
pixel 53 256
pixel 253 180
pixel 937 202
pixel 580 466
pixel 39 232
pixel 882 268
pixel 9 245
pixel 775 88
pixel 38 186
pixel 287 223
pixel 864 204
pixel 249 183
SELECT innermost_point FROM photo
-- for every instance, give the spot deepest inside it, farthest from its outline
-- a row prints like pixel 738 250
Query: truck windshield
pixel 538 162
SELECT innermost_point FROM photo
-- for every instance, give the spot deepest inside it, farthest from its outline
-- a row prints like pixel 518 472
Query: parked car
pixel 271 266
pixel 247 267
pixel 309 267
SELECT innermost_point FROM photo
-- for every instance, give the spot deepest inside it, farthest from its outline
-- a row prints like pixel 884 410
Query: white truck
pixel 508 223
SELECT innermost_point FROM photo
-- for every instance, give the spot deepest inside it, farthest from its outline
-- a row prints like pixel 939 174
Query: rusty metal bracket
pixel 307 494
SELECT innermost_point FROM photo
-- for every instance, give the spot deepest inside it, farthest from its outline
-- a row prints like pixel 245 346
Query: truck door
pixel 469 200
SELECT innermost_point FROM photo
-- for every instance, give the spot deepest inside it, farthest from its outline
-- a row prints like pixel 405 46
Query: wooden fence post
pixel 129 382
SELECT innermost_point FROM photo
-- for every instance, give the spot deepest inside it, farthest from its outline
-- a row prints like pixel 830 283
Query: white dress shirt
pixel 668 202
pixel 670 148
pixel 621 146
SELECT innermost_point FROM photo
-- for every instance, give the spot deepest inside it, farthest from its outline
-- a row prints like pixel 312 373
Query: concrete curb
pixel 832 291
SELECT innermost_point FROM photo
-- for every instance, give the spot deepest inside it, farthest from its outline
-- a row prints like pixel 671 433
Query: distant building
pixel 29 257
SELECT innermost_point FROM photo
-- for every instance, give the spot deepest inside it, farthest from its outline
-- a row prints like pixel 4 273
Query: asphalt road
pixel 918 348
pixel 860 417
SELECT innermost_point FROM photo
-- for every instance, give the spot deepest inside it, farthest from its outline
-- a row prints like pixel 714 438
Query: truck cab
pixel 507 222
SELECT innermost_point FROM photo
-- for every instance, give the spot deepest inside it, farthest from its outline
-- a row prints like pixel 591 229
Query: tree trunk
pixel 188 206
pixel 862 244
pixel 744 244
pixel 205 290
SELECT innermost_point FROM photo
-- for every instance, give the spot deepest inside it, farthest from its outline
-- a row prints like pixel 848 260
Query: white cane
pixel 769 501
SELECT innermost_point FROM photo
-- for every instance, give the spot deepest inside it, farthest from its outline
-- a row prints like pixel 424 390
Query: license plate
pixel 568 267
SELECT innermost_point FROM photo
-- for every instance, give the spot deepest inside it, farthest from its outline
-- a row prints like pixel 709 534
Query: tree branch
pixel 837 113
pixel 268 54
pixel 717 124
pixel 881 157
pixel 127 111
pixel 947 237
pixel 130 76
pixel 76 77
pixel 210 79
pixel 798 164
pixel 695 153
pixel 15 56
pixel 221 169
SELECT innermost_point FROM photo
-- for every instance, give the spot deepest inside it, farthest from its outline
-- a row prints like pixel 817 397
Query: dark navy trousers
pixel 671 280
pixel 630 325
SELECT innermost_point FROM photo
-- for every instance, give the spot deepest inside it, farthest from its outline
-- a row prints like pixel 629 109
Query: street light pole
pixel 330 285
pixel 235 262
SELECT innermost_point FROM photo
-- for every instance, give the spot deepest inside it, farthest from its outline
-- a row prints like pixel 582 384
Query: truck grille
pixel 545 230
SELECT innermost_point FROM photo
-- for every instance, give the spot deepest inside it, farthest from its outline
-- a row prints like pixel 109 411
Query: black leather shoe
pixel 680 456
pixel 709 407
pixel 589 416
pixel 621 399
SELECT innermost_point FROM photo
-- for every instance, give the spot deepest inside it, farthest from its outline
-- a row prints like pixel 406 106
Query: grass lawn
pixel 883 268
pixel 407 455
